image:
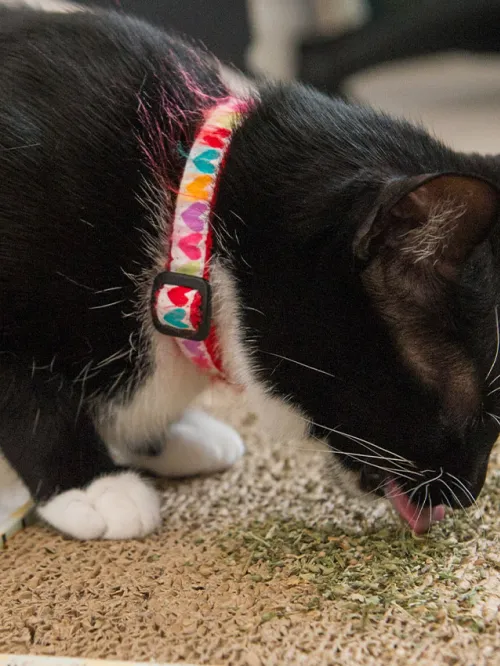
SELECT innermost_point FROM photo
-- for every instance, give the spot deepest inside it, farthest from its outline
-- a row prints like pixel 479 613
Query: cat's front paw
pixel 119 506
pixel 197 444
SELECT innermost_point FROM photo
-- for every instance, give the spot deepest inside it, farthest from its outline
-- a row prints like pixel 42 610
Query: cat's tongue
pixel 419 521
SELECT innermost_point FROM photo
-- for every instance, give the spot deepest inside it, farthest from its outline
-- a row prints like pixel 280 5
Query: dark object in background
pixel 222 25
pixel 421 28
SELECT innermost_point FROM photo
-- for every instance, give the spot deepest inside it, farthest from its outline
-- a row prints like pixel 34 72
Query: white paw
pixel 197 444
pixel 121 506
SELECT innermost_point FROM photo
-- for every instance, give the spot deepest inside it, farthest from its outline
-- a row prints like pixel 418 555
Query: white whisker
pixel 304 365
pixel 423 503
pixel 453 494
pixel 371 493
pixel 393 495
pixel 373 450
pixel 460 485
pixel 394 472
pixel 446 499
pixel 493 380
pixel 436 478
pixel 457 499
pixel 105 291
pixel 75 282
pixel 494 417
pixel 359 440
pixel 23 147
pixel 346 453
pixel 107 305
pixel 110 359
pixel 498 344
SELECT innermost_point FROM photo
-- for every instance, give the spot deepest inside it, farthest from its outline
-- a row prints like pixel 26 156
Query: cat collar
pixel 181 299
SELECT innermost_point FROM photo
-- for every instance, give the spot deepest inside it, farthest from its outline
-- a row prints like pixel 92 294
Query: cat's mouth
pixel 419 519
pixel 417 514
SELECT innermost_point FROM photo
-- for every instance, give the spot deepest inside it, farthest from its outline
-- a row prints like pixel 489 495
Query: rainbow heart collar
pixel 181 299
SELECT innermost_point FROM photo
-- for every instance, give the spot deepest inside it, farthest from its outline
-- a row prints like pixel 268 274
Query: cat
pixel 351 273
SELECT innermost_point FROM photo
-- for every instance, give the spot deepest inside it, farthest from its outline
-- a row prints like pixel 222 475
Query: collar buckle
pixel 181 306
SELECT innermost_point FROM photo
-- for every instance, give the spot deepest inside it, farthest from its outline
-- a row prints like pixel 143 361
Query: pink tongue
pixel 419 521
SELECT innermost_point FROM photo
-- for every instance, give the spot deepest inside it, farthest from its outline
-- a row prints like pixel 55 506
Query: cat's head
pixel 413 404
pixel 428 266
pixel 374 293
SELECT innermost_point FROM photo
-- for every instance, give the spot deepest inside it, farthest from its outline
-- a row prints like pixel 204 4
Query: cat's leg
pixel 52 444
pixel 196 444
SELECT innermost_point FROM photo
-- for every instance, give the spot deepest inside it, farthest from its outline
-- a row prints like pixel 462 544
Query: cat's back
pixel 29 36
pixel 72 76
pixel 68 100
pixel 76 93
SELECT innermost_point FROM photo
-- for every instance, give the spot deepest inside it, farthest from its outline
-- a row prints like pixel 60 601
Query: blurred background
pixel 433 61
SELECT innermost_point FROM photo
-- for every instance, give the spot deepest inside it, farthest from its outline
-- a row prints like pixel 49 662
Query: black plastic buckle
pixel 198 284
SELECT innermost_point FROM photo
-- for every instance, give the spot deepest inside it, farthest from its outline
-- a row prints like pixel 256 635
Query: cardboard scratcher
pixel 30 660
pixel 16 507
pixel 16 521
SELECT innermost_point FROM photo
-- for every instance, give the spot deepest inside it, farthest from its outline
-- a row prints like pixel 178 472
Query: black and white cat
pixel 353 271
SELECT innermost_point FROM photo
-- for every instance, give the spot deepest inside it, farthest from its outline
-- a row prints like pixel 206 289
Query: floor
pixel 267 564
pixel 456 96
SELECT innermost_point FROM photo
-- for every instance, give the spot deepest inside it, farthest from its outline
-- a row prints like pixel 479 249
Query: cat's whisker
pixel 468 520
pixel 492 381
pixel 377 488
pixel 393 472
pixel 393 494
pixel 367 446
pixel 494 417
pixel 498 344
pixel 422 505
pixel 106 305
pixel 23 147
pixel 461 486
pixel 494 390
pixel 304 365
pixel 345 453
pixel 358 455
pixel 350 383
pixel 412 494
pixel 110 359
pixel 457 499
pixel 428 482
pixel 360 441
pixel 445 499
pixel 387 495
pixel 105 291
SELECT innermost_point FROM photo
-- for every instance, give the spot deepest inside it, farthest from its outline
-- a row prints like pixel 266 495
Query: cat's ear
pixel 434 219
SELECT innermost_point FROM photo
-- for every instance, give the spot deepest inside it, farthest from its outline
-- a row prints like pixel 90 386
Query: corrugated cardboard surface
pixel 31 660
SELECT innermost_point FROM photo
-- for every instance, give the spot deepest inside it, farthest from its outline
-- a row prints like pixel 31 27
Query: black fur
pixel 71 224
pixel 303 174
pixel 321 164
